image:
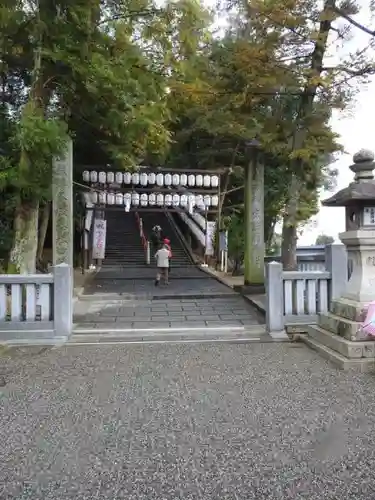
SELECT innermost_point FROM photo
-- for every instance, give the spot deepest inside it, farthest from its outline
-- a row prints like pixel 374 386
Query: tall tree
pixel 86 69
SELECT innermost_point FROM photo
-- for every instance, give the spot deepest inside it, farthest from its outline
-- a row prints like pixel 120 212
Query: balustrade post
pixel 148 253
pixel 62 300
pixel 274 298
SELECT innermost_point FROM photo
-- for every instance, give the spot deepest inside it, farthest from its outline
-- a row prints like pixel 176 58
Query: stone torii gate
pixel 62 206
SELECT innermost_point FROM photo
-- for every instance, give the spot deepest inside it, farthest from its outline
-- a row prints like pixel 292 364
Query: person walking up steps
pixel 162 264
pixel 156 238
pixel 167 243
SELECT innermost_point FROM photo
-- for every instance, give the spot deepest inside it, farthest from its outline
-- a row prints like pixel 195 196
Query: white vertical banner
pixel 210 234
pixel 99 239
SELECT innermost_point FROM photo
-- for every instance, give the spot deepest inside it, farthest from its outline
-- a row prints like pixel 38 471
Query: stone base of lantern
pixel 338 337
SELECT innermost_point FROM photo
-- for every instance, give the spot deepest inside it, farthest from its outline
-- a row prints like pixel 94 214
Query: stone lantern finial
pixel 363 165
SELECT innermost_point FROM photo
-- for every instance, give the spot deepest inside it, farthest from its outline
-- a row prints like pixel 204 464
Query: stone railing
pixel 36 307
pixel 314 261
pixel 298 297
pixel 144 241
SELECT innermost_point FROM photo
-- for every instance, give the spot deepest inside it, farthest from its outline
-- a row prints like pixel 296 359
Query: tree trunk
pixel 269 231
pixel 22 258
pixel 290 222
pixel 289 232
pixel 289 246
pixel 222 197
pixel 43 226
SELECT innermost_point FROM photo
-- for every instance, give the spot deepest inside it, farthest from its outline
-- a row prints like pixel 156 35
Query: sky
pixel 356 129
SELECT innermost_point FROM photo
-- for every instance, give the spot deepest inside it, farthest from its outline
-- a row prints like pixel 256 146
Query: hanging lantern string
pixel 98 190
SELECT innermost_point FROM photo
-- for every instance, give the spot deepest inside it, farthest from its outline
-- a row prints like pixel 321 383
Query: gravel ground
pixel 166 422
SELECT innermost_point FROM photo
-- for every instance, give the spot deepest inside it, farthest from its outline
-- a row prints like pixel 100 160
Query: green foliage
pixel 324 239
pixel 236 238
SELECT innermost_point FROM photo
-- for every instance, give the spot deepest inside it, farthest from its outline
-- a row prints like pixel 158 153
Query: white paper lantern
pixel 207 200
pixel 127 201
pixel 183 180
pixel 94 176
pixel 214 181
pixel 199 201
pixel 110 177
pixel 102 197
pixel 191 180
pixel 135 199
pixel 214 200
pixel 176 200
pixel 184 200
pixel 160 199
pixel 102 177
pixel 94 197
pixel 143 179
pixel 152 199
pixel 135 178
pixel 127 177
pixel 144 199
pixel 191 203
pixel 111 198
pixel 119 199
pixel 87 199
pixel 86 176
pixel 175 179
pixel 119 177
pixel 151 178
pixel 206 181
pixel 168 200
pixel 160 179
pixel 199 180
pixel 167 179
pixel 191 199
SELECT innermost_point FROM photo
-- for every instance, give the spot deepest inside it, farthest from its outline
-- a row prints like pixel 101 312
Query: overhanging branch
pixel 353 22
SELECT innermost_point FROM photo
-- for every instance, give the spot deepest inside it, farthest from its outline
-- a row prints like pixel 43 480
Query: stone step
pixel 234 334
pixel 358 365
pixel 341 345
pixel 348 309
pixel 338 325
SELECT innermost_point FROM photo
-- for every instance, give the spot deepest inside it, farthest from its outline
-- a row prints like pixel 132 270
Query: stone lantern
pixel 338 334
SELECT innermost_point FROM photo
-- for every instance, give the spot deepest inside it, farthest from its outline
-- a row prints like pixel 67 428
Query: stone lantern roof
pixel 363 187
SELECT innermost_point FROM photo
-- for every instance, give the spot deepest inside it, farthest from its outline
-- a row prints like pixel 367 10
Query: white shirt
pixel 162 257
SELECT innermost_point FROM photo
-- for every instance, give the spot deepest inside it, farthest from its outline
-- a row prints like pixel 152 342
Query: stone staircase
pixel 181 258
pixel 123 246
pixel 337 337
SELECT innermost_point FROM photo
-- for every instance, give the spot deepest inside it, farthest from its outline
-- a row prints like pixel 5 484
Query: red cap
pixel 166 241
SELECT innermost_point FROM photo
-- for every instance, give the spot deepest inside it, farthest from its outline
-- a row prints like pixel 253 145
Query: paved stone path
pixel 196 301
pixel 167 313
pixel 167 422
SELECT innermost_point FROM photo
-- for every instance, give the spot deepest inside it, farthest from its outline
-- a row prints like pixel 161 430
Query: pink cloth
pixel 368 326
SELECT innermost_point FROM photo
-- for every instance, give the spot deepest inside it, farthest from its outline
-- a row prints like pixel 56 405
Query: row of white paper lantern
pixel 152 199
pixel 144 179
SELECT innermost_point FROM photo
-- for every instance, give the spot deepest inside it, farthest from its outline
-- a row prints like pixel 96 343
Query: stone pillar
pixel 62 207
pixel 254 228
